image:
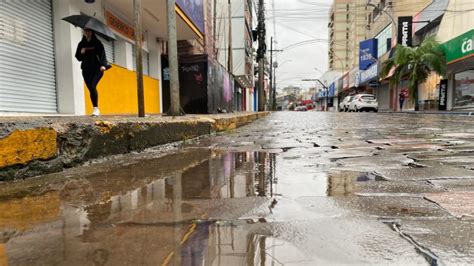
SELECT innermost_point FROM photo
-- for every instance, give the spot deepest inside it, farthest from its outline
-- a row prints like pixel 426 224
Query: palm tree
pixel 417 63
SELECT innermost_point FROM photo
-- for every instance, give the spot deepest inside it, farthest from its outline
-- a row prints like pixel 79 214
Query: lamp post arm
pixel 324 86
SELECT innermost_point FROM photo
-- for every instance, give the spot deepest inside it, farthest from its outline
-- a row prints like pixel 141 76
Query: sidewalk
pixel 466 113
pixel 31 146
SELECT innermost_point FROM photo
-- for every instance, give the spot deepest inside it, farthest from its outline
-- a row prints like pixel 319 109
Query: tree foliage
pixel 416 63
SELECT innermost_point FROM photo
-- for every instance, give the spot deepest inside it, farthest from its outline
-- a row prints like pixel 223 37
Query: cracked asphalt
pixel 293 188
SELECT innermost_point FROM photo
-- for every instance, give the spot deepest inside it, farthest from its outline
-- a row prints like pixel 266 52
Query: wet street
pixel 294 188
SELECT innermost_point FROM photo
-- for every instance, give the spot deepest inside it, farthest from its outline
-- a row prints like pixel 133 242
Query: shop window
pixel 109 47
pixel 463 96
pixel 383 38
pixel 145 61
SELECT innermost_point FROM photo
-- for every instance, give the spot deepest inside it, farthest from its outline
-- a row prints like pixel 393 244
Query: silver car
pixel 344 105
pixel 364 102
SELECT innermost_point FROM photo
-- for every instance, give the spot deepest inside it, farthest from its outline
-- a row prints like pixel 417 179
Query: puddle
pixel 101 216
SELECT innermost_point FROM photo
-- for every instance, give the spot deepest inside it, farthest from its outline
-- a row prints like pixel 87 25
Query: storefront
pixel 368 79
pixel 460 57
pixel 332 97
pixel 429 93
pixel 38 69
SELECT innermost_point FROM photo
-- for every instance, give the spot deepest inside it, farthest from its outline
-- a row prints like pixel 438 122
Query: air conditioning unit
pixel 389 4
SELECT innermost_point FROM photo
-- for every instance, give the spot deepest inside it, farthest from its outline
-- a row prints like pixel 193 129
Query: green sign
pixel 459 47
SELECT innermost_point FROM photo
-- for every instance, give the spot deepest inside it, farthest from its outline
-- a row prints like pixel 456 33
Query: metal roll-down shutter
pixel 27 60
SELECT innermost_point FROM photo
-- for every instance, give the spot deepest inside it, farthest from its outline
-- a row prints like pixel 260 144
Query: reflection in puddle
pixel 154 212
pixel 232 246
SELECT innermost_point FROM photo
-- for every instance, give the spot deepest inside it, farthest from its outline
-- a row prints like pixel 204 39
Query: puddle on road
pixel 138 213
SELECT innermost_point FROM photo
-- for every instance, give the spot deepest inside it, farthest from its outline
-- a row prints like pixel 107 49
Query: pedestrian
pixel 90 51
pixel 401 98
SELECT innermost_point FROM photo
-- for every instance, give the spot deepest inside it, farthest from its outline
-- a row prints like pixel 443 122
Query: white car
pixel 364 102
pixel 344 105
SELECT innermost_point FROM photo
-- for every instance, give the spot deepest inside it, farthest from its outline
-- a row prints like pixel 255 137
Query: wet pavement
pixel 293 188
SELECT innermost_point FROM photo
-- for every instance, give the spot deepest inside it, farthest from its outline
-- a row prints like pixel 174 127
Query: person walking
pixel 401 98
pixel 91 53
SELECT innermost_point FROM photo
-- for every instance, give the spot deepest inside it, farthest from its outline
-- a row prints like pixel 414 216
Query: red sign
pixel 345 81
pixel 119 26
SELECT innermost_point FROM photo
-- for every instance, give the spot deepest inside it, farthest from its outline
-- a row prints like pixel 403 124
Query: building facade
pixel 38 70
pixel 382 26
pixel 242 53
pixel 346 28
pixel 456 33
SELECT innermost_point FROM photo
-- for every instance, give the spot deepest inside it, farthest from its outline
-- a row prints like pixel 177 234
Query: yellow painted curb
pixel 23 146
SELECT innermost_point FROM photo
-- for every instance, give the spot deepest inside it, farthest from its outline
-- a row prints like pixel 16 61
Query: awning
pixel 154 18
pixel 432 12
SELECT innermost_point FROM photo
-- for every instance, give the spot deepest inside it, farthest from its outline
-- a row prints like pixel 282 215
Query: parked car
pixel 301 108
pixel 364 102
pixel 344 105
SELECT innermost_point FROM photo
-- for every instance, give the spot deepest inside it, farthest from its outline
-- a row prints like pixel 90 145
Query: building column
pixel 451 88
pixel 69 81
pixel 155 66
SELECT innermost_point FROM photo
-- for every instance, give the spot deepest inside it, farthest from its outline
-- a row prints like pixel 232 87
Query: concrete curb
pixel 37 146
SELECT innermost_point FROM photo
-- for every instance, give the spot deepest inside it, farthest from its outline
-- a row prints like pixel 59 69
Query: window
pixel 383 38
pixel 109 47
pixel 464 89
pixel 145 61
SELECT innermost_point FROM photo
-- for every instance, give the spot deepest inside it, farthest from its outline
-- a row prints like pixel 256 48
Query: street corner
pixel 23 146
pixel 458 204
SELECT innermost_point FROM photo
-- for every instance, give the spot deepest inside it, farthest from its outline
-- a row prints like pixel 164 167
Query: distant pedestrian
pixel 401 98
pixel 90 51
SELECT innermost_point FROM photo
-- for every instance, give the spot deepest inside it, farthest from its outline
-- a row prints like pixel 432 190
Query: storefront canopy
pixel 154 18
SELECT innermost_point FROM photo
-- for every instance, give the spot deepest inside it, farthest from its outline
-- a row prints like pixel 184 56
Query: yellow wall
pixel 118 93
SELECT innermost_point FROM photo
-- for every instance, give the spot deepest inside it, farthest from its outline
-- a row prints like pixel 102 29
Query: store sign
pixel 405 31
pixel 119 26
pixel 443 95
pixel 459 47
pixel 367 53
pixel 369 74
pixel 332 89
pixel 357 79
pixel 345 81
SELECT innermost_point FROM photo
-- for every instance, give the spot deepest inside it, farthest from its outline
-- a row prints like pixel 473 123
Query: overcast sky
pixel 304 22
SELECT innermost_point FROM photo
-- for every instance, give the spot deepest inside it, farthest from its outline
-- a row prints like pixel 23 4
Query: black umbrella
pixel 84 21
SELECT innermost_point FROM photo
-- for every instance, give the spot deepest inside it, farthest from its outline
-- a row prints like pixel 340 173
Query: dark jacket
pixel 94 57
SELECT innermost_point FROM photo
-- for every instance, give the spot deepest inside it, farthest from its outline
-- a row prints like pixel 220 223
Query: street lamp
pixel 383 10
pixel 395 24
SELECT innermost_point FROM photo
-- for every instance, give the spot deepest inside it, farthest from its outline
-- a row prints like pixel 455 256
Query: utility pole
pixel 271 73
pixel 230 59
pixel 261 56
pixel 272 78
pixel 175 108
pixel 137 7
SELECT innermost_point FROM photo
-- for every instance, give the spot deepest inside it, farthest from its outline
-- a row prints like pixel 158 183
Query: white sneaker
pixel 96 112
